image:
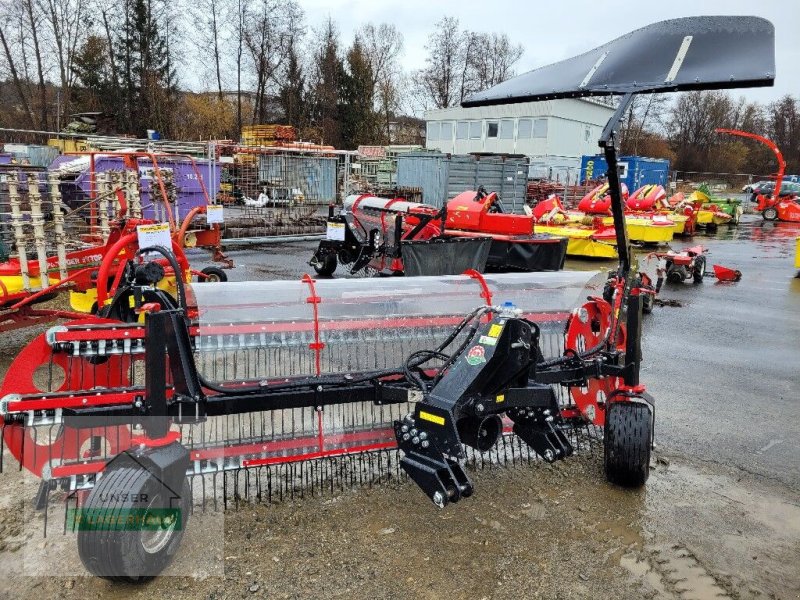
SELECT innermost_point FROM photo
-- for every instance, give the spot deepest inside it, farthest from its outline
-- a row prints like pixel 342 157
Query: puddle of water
pixel 642 569
pixel 675 573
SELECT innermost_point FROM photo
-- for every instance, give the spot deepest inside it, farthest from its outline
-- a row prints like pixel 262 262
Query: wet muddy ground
pixel 719 518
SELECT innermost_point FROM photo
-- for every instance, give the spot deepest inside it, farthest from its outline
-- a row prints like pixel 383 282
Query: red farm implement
pixel 415 373
pixel 58 248
pixel 783 207
pixel 397 236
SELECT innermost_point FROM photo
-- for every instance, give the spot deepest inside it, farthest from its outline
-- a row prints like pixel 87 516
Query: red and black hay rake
pixel 279 386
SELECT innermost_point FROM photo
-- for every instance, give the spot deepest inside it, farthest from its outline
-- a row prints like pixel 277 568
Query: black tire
pixel 770 213
pixel 627 438
pixel 699 269
pixel 132 556
pixel 213 275
pixel 648 301
pixel 326 265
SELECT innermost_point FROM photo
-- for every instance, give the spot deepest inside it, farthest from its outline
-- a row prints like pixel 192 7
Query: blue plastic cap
pixel 508 304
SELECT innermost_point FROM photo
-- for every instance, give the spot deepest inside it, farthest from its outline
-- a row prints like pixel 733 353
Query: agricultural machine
pixel 74 247
pixel 677 267
pixel 397 236
pixel 776 205
pixel 266 377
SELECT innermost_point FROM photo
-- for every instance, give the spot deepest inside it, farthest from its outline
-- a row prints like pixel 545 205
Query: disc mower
pixel 397 236
pixel 262 378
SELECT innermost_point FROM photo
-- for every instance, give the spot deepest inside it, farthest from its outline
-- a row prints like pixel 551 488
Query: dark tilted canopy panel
pixel 691 53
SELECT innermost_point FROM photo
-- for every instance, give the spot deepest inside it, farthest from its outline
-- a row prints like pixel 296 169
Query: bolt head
pixel 413 432
pixel 548 455
pixel 415 440
pixel 406 437
pixel 425 443
pixel 404 428
pixel 438 499
pixel 479 408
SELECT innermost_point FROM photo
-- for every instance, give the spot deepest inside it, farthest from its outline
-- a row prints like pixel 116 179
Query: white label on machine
pixel 214 214
pixel 154 235
pixel 335 231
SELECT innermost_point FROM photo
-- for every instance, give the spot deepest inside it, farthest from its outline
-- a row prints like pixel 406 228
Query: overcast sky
pixel 557 29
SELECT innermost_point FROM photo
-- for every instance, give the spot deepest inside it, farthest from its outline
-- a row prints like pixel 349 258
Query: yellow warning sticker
pixel 500 398
pixel 495 330
pixel 431 417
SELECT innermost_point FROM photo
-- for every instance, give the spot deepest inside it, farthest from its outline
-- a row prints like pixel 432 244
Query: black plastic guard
pixel 528 255
pixel 445 256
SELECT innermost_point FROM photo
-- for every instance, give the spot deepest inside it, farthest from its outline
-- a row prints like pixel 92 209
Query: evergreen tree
pixel 328 73
pixel 293 91
pixel 148 79
pixel 359 121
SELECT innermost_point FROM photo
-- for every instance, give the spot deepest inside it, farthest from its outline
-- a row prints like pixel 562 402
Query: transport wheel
pixel 213 275
pixel 134 553
pixel 648 302
pixel 326 265
pixel 699 269
pixel 770 214
pixel 627 438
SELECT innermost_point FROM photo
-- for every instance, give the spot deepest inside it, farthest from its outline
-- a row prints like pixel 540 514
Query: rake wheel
pixel 132 554
pixel 627 439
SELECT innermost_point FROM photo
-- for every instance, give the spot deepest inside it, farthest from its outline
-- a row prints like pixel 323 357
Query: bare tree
pixel 66 20
pixel 439 79
pixel 215 25
pixel 490 59
pixel 34 20
pixel 382 46
pixel 11 60
pixel 270 29
pixel 462 62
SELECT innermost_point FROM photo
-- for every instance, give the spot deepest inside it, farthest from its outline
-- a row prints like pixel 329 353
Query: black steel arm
pixel 608 144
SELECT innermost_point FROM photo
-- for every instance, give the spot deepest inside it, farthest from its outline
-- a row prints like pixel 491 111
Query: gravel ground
pixel 719 518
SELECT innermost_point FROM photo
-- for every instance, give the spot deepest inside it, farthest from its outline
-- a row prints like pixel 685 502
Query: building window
pixel 506 129
pixel 540 128
pixel 462 130
pixel 446 134
pixel 475 130
pixel 524 129
pixel 491 129
pixel 622 168
pixel 433 132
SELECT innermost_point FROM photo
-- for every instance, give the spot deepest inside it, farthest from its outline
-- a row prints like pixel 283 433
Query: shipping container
pixel 635 171
pixel 442 176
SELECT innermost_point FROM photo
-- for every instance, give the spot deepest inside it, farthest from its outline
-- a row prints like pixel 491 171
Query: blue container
pixel 635 171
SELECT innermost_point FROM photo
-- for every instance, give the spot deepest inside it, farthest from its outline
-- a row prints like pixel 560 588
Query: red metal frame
pixel 316 345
